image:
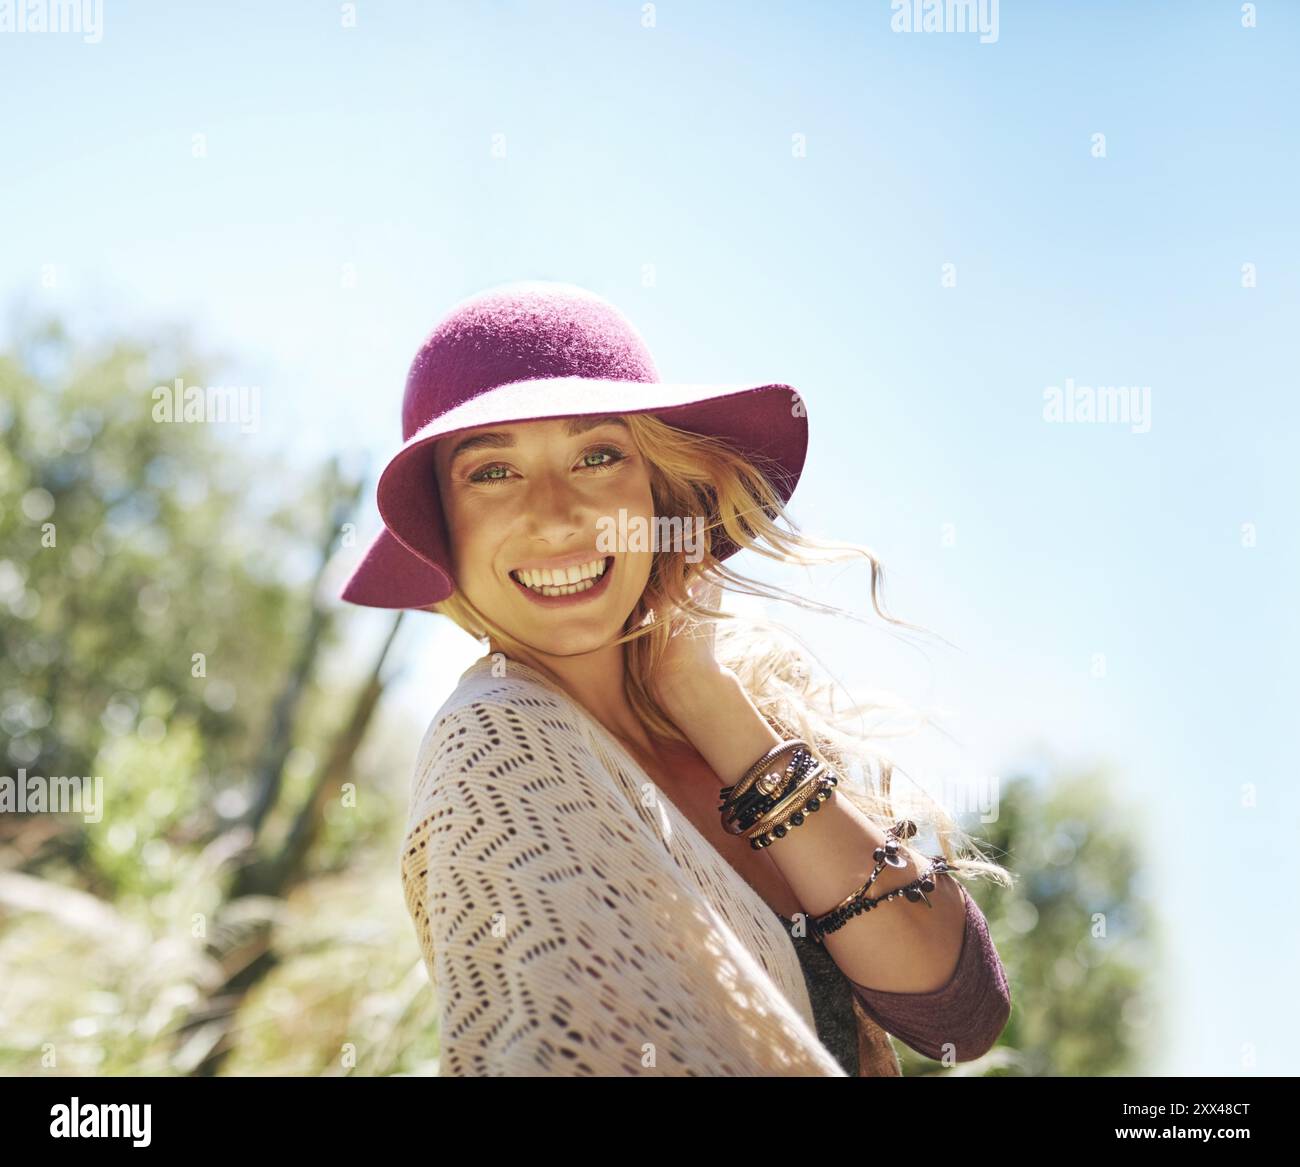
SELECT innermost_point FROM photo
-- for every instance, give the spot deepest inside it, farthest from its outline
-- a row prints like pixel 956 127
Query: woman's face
pixel 532 511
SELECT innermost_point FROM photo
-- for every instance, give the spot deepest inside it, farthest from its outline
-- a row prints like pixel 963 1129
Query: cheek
pixel 634 496
pixel 630 493
pixel 464 536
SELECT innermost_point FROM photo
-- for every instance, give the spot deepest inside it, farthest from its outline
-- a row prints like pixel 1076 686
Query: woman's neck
pixel 596 681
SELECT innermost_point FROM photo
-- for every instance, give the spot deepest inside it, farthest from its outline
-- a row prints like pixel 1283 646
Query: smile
pixel 565 584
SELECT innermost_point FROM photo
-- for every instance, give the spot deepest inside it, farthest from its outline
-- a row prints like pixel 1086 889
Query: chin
pixel 576 646
pixel 581 637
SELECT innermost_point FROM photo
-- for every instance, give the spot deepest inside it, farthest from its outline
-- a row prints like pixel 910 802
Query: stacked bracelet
pixel 815 786
pixel 776 794
pixel 779 791
pixel 759 786
pixel 764 769
pixel 763 797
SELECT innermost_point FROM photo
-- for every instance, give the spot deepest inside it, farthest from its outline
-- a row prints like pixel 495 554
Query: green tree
pixel 161 622
pixel 1075 934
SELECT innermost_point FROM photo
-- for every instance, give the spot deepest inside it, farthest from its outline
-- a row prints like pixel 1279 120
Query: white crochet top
pixel 574 922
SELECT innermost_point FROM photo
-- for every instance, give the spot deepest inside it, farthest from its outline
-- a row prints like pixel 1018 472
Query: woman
pixel 626 853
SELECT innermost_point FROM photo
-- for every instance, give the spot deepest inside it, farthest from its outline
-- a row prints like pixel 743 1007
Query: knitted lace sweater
pixel 574 922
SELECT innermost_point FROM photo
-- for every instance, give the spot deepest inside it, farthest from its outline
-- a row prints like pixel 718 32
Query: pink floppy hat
pixel 532 350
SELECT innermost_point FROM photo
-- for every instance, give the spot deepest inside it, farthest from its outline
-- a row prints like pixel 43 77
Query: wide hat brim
pixel 408 565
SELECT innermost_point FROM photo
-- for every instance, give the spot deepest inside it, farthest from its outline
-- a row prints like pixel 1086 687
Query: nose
pixel 554 508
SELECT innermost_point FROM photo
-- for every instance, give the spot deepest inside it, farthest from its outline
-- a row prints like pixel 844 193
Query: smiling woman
pixel 624 853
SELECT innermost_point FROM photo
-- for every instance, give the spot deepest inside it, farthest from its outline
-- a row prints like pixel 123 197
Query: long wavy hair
pixel 703 477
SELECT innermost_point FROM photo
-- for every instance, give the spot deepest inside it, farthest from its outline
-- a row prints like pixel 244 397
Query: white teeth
pixel 562 581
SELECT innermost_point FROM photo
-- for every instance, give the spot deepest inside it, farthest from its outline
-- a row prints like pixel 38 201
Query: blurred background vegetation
pixel 238 909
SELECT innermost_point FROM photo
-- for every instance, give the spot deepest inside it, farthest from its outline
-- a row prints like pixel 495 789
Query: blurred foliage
pixel 153 561
pixel 158 614
pixel 1075 933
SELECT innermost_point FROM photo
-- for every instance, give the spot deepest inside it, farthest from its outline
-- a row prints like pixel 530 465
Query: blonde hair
pixel 692 474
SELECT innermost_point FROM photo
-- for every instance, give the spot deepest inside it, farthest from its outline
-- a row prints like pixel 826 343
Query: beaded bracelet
pixel 765 805
pixel 792 811
pixel 858 902
pixel 743 811
pixel 761 771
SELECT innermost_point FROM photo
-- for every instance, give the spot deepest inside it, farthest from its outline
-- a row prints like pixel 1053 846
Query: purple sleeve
pixel 969 1012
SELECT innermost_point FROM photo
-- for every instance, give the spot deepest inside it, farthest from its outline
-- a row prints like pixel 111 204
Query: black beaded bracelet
pixel 887 855
pixel 825 781
pixel 916 890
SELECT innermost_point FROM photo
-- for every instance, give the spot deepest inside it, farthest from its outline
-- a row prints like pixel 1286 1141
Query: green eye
pixel 499 473
pixel 487 474
pixel 614 454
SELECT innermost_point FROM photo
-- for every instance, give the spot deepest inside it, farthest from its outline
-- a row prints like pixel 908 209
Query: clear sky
pixel 771 192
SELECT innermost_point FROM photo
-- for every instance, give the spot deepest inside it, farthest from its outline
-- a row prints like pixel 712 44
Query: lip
pixel 590 594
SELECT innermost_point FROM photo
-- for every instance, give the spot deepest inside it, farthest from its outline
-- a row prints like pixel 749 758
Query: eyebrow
pixel 500 439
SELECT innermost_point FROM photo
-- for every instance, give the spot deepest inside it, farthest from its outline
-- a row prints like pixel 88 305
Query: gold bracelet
pixel 760 769
pixel 816 788
pixel 740 813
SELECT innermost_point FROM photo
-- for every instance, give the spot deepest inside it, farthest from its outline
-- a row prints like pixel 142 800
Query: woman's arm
pixel 963 1019
pixel 900 949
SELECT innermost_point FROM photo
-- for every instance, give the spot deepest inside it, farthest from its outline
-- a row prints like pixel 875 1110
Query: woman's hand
pixel 689 671
pixel 706 700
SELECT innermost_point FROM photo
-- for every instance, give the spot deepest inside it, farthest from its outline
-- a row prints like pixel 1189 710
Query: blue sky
pixel 367 153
